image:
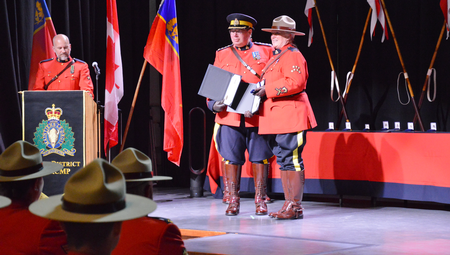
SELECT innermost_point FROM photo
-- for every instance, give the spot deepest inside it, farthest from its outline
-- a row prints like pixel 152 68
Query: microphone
pixel 96 68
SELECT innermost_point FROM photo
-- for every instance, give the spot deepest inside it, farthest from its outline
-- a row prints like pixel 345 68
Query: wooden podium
pixel 63 125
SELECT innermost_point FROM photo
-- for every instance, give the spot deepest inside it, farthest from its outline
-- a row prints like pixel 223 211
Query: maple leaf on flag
pixel 113 77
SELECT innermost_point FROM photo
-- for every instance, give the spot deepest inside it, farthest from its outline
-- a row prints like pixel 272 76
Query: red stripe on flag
pixel 444 8
pixel 113 77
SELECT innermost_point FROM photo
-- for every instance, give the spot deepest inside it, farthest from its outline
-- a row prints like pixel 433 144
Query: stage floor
pixel 331 225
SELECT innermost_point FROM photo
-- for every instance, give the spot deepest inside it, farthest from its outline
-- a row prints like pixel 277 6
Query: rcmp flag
pixel 44 31
pixel 162 52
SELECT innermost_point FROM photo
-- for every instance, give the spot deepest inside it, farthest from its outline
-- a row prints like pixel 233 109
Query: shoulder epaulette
pixel 46 60
pixel 293 49
pixel 264 44
pixel 228 46
pixel 79 60
pixel 161 219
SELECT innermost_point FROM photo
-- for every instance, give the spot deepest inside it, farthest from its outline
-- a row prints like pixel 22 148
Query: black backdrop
pixel 203 29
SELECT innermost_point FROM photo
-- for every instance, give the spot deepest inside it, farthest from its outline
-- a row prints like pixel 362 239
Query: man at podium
pixel 63 72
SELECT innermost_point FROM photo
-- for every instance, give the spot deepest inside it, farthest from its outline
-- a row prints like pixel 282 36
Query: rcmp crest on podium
pixel 60 124
pixel 54 135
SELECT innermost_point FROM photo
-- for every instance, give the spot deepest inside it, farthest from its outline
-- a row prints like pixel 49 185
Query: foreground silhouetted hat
pixel 240 21
pixel 23 161
pixel 95 193
pixel 136 166
pixel 4 201
pixel 283 23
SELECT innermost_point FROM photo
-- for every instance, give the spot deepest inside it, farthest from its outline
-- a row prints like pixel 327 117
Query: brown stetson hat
pixel 136 166
pixel 23 161
pixel 95 193
pixel 4 201
pixel 283 23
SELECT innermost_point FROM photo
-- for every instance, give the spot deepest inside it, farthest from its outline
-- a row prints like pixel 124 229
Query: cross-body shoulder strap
pixel 56 76
pixel 271 62
pixel 245 64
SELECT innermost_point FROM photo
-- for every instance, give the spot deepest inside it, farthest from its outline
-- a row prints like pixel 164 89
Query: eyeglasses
pixel 237 31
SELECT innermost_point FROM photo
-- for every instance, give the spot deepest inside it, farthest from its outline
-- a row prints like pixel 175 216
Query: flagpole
pixel 132 105
pixel 403 66
pixel 329 57
pixel 347 89
pixel 425 84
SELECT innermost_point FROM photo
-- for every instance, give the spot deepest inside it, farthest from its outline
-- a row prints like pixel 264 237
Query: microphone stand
pixel 96 87
pixel 99 114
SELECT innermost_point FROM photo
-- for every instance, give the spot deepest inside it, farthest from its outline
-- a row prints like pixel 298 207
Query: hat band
pixel 139 175
pixel 241 22
pixel 21 172
pixel 93 209
pixel 283 28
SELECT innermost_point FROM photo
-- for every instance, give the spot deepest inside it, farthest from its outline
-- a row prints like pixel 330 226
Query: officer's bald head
pixel 62 47
pixel 61 37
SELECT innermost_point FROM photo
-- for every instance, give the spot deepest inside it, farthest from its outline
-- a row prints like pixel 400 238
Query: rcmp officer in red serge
pixel 64 72
pixel 286 114
pixel 21 179
pixel 145 235
pixel 234 133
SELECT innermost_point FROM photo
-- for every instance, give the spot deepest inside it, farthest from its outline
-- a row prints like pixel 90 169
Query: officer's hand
pixel 261 91
pixel 219 106
pixel 248 114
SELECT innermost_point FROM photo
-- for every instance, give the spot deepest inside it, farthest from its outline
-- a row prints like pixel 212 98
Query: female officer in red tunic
pixel 286 114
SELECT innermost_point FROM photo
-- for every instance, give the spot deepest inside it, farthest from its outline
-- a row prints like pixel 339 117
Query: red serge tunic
pixel 287 108
pixel 256 56
pixel 148 235
pixel 22 232
pixel 76 77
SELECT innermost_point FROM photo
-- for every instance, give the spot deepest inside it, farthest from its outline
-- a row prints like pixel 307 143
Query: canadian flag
pixel 377 14
pixel 113 77
pixel 308 12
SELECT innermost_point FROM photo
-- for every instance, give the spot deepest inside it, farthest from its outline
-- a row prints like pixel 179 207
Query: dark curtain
pixel 203 29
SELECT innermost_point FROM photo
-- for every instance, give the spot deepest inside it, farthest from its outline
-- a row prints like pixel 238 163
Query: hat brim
pixel 4 201
pixel 271 30
pixel 154 178
pixel 51 208
pixel 48 168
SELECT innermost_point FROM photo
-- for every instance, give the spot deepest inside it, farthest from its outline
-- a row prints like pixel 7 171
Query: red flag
pixel 308 12
pixel 113 76
pixel 377 14
pixel 214 169
pixel 445 4
pixel 161 51
pixel 44 31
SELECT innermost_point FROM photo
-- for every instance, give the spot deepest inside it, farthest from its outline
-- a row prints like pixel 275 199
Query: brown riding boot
pixel 226 192
pixel 266 174
pixel 233 173
pixel 259 171
pixel 293 210
pixel 284 182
